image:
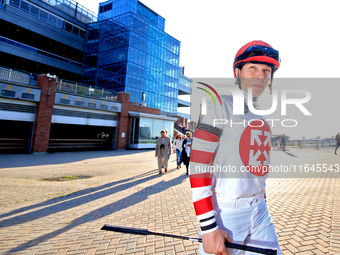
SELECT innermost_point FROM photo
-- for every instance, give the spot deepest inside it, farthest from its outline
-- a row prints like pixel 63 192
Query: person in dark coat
pixel 186 150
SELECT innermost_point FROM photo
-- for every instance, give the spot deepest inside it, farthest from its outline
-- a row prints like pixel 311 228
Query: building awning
pixel 150 116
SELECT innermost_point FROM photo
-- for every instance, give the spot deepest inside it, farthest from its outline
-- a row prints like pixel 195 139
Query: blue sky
pixel 305 33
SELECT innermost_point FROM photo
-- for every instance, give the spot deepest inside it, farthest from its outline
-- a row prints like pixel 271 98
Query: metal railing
pixel 18 77
pixel 74 144
pixel 41 52
pixel 316 144
pixel 10 144
pixel 74 9
pixel 143 141
pixel 83 89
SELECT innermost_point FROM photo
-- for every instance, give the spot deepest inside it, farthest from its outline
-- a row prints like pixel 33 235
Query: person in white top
pixel 178 149
pixel 231 206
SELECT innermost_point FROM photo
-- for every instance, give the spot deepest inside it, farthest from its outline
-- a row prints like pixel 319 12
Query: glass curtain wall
pixel 146 130
pixel 46 16
pixel 106 52
pixel 126 53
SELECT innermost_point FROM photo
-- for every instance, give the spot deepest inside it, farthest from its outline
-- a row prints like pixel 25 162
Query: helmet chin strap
pixel 238 80
pixel 271 82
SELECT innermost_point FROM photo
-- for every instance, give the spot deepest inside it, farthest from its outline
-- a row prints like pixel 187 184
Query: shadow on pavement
pixel 96 214
pixel 74 195
pixel 93 195
pixel 290 154
pixel 25 160
pixel 286 151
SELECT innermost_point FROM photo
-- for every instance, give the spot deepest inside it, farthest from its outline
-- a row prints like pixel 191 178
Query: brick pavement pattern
pixel 44 217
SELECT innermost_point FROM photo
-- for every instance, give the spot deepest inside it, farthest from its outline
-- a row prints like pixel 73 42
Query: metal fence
pixel 316 144
pixel 18 77
pixel 38 51
pixel 83 89
pixel 74 9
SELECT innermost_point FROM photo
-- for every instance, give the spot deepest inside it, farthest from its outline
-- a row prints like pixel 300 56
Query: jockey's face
pixel 256 76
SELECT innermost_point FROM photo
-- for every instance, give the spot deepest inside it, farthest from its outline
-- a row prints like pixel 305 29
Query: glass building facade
pixel 46 16
pixel 128 50
pixel 145 131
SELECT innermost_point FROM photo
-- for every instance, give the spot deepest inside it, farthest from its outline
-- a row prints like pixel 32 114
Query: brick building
pixel 52 115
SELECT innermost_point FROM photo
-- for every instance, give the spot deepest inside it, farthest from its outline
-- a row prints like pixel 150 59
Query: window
pixel 145 129
pixel 34 11
pixel 60 23
pixel 75 30
pixel 64 101
pixel 15 3
pixel 114 108
pixel 47 16
pixel 68 27
pixel 105 8
pixel 78 103
pixel 43 15
pixel 27 96
pixel 52 20
pixel 25 6
pixel 82 33
pixel 8 93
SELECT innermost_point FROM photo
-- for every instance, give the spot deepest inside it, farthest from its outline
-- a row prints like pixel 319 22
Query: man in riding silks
pixel 230 206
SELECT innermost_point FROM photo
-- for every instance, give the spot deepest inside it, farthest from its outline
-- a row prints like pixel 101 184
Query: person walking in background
pixel 178 149
pixel 186 150
pixel 163 149
pixel 166 134
pixel 283 142
pixel 337 142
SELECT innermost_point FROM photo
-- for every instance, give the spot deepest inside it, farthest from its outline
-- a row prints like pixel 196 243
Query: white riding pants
pixel 247 222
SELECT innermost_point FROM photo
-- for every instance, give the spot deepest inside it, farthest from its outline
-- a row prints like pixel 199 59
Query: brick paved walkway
pixel 43 217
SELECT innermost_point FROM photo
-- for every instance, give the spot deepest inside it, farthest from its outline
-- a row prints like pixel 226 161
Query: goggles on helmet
pixel 256 50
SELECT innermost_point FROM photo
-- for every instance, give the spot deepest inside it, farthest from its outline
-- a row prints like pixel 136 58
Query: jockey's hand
pixel 213 242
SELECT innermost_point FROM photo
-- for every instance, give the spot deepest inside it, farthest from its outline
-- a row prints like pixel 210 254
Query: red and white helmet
pixel 257 51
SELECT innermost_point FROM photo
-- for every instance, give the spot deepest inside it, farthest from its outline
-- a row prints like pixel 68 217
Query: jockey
pixel 231 207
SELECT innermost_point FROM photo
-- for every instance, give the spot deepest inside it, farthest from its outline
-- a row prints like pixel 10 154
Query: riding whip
pixel 145 232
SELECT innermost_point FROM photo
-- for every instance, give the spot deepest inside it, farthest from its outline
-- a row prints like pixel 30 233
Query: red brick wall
pixel 124 120
pixel 183 121
pixel 178 121
pixel 144 109
pixel 43 116
pixel 45 110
